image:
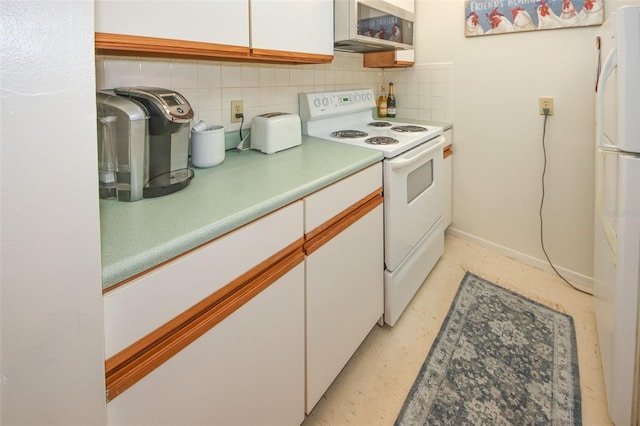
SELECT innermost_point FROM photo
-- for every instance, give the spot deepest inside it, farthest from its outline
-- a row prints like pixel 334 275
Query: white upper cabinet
pixel 220 21
pixel 292 25
pixel 408 5
pixel 281 31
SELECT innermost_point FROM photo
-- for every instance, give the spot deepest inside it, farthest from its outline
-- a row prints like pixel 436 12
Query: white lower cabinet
pixel 344 281
pixel 223 327
pixel 251 328
pixel 247 370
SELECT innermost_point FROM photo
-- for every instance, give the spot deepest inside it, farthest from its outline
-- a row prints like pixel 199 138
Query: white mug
pixel 207 146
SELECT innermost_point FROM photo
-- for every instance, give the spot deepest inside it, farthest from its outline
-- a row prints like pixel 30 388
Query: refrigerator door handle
pixel 609 232
pixel 607 67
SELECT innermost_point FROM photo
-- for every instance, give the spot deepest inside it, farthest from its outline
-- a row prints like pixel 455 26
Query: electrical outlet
pixel 545 102
pixel 237 107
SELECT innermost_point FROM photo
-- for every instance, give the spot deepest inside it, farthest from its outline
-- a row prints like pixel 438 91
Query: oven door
pixel 413 198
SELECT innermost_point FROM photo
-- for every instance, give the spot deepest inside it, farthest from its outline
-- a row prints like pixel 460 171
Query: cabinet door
pixel 344 284
pixel 247 370
pixel 344 276
pixel 211 21
pixel 292 25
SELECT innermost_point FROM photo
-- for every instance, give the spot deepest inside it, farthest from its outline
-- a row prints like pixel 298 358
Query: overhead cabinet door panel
pixel 220 21
pixel 292 25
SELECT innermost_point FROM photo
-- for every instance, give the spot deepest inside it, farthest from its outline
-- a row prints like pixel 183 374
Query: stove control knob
pixel 358 97
pixel 316 102
pixel 325 101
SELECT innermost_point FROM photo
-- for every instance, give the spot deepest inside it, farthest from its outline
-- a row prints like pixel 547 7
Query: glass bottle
pixel 382 103
pixel 391 102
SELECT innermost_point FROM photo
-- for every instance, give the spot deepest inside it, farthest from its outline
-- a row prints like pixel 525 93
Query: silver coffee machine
pixel 143 137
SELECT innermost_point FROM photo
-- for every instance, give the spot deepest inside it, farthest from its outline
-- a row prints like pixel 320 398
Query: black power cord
pixel 544 170
pixel 241 116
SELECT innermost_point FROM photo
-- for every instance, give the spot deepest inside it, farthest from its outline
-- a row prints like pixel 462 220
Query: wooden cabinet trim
pixel 121 44
pixel 130 365
pixel 448 151
pixel 383 60
pixel 280 56
pixel 317 237
pixel 131 45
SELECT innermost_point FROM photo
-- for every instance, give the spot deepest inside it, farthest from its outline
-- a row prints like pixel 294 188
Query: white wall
pixel 51 331
pixel 497 134
pixel 423 91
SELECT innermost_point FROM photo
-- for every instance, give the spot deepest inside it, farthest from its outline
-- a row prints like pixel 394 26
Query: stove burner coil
pixel 380 124
pixel 381 140
pixel 409 129
pixel 349 134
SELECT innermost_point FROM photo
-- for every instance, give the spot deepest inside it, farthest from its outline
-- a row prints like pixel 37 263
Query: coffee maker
pixel 143 136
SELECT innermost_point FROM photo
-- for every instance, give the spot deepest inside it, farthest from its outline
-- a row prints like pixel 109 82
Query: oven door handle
pixel 406 162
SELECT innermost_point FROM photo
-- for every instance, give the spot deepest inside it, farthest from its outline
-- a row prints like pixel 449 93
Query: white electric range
pixel 412 184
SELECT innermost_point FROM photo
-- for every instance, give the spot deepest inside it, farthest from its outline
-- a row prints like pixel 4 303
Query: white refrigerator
pixel 617 209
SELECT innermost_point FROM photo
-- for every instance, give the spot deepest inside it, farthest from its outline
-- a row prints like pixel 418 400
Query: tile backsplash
pixel 423 91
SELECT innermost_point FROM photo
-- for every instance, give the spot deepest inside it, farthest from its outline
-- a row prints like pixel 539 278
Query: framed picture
pixel 485 17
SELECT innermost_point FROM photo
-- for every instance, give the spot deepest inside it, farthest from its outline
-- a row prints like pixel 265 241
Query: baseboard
pixel 581 281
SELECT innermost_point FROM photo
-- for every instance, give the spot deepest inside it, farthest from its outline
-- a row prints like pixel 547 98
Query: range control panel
pixel 314 106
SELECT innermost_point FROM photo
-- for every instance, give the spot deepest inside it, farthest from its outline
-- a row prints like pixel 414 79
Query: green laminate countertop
pixel 139 235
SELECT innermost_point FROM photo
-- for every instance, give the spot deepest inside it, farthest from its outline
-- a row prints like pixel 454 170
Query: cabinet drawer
pixel 138 307
pixel 327 203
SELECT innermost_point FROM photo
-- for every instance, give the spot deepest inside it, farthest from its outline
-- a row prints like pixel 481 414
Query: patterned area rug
pixel 499 359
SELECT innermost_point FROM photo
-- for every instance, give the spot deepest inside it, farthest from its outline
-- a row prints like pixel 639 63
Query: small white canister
pixel 207 145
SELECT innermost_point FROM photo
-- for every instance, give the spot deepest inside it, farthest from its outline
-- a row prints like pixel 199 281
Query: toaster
pixel 275 131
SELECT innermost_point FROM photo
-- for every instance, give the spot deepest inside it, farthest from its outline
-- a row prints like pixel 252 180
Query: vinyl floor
pixel 371 388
